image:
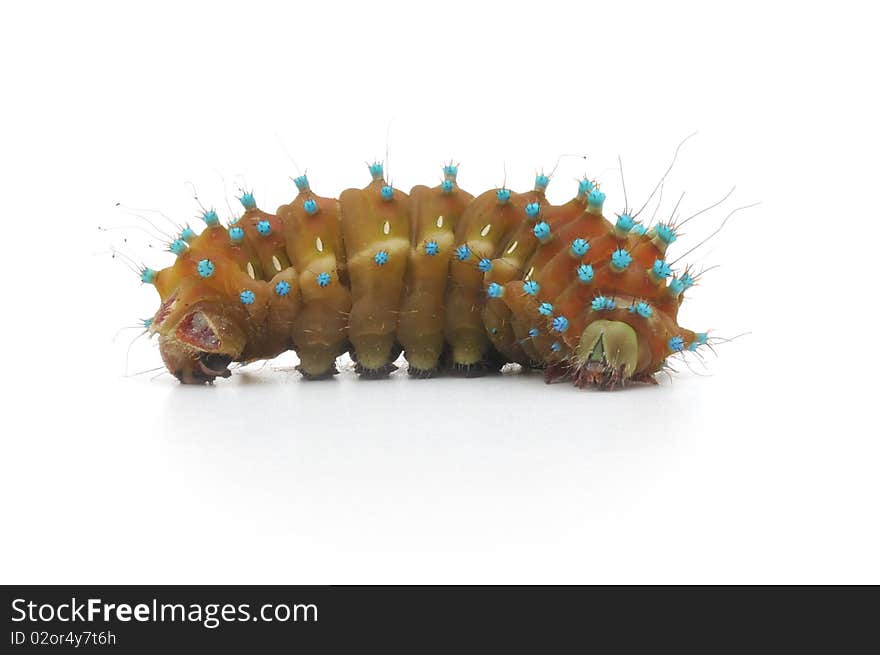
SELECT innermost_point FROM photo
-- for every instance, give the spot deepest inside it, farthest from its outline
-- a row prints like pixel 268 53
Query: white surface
pixel 766 471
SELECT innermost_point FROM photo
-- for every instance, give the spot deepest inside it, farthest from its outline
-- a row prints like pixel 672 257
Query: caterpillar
pixel 454 282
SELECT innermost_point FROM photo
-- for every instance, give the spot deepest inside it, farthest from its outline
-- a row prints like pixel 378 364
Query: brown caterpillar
pixel 455 282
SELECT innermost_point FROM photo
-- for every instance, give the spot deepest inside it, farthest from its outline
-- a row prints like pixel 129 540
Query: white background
pixel 760 467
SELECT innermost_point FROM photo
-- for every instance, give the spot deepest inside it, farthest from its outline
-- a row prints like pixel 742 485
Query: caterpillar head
pixel 199 346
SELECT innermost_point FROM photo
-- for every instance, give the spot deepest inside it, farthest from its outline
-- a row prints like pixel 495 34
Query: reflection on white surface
pixel 266 477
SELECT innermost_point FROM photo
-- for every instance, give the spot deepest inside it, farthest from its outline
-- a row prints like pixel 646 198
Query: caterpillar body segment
pixel 376 233
pixel 313 234
pixel 434 213
pixel 450 279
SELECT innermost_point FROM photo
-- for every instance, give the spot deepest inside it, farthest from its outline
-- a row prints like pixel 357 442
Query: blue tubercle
pixel 585 187
pixel 485 265
pixel 247 297
pixel 503 195
pixel 638 229
pixel 534 332
pixel 542 231
pixel 264 227
pixel 603 303
pixel 643 309
pixel 556 346
pixel 463 252
pixel 541 182
pixel 301 182
pixel 205 268
pixel 676 287
pixel 147 322
pixel 620 259
pixel 310 206
pixel 596 198
pixel 533 209
pixel 545 309
pixel 531 288
pixel 236 233
pixel 381 258
pixel 178 246
pixel 665 233
pixel 585 273
pixel 579 247
pixel 661 269
pixel 187 234
pixel 625 223
pixel 495 290
pixel 247 200
pixel 687 280
pixel 446 186
pixel 560 324
pixel 387 192
pixel 377 170
pixel 450 170
pixel 700 339
pixel 323 279
pixel 148 275
pixel 432 248
pixel 282 288
pixel 210 217
pixel 676 344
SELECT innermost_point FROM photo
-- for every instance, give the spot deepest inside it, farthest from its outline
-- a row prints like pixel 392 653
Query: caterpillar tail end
pixel 607 357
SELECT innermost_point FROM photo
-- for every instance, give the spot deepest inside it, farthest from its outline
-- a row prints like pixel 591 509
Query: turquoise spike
pixel 542 231
pixel 643 309
pixel 205 268
pixel 661 270
pixel 665 233
pixel 625 223
pixel 579 247
pixel 602 303
pixel 620 259
pixel 248 201
pixel 584 188
pixel 178 246
pixel 585 273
